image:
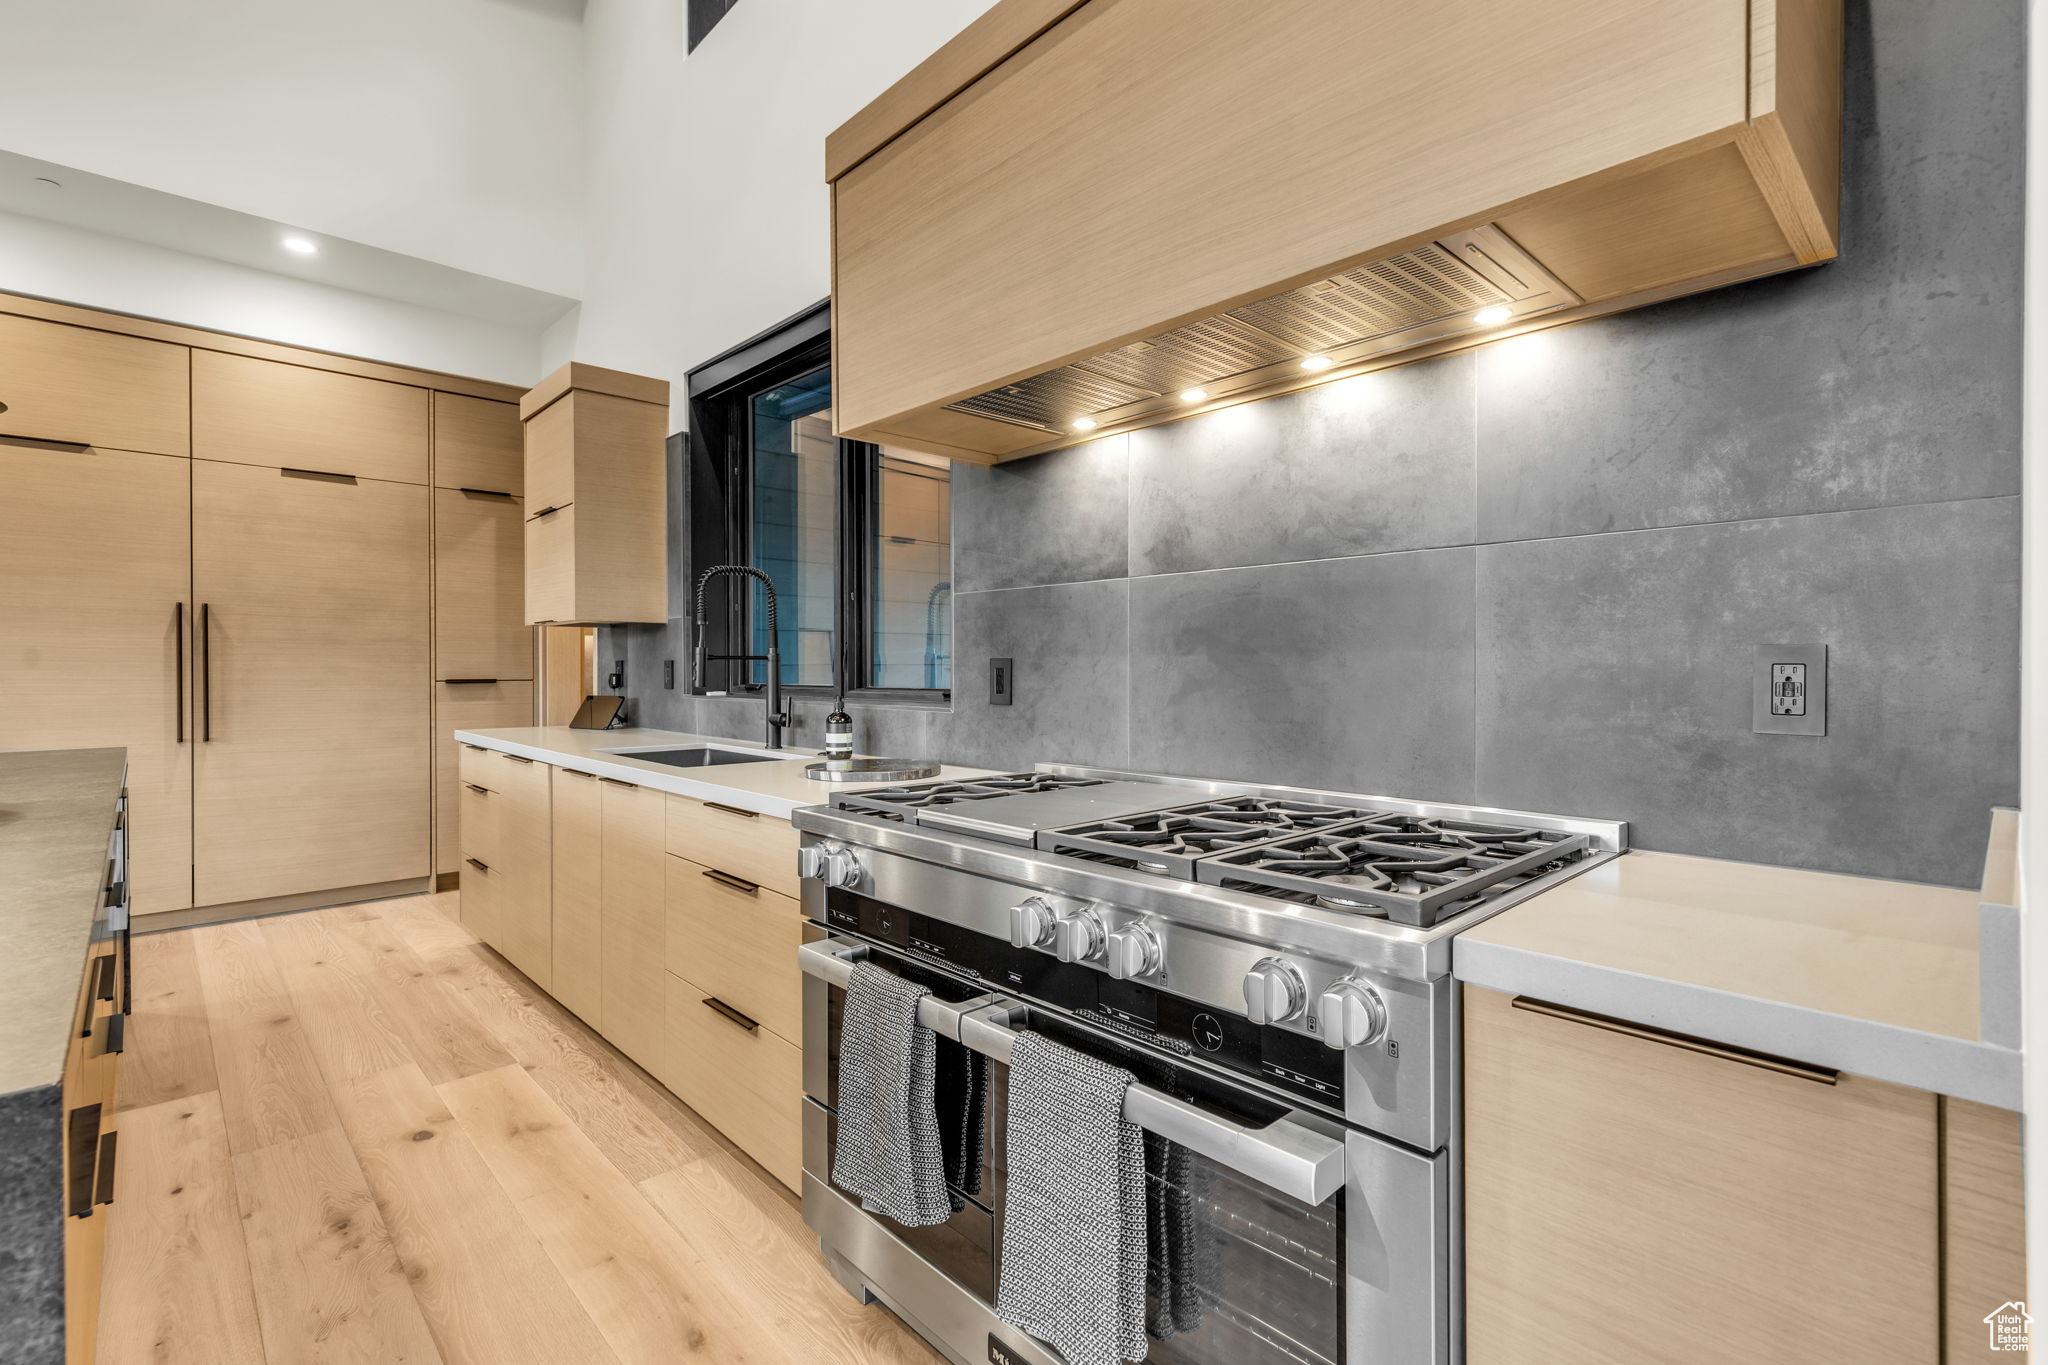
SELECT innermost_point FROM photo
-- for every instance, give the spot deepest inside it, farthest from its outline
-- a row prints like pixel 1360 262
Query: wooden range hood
pixel 1121 212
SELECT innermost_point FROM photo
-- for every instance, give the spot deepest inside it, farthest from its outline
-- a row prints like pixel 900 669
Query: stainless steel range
pixel 1272 963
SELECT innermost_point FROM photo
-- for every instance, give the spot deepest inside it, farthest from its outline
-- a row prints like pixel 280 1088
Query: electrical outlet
pixel 1002 682
pixel 1789 690
pixel 668 674
pixel 617 679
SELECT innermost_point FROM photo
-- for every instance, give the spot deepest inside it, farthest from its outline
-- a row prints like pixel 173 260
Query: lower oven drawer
pixel 963 1247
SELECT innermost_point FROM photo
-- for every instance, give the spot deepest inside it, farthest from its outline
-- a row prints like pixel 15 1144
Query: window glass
pixel 910 548
pixel 795 507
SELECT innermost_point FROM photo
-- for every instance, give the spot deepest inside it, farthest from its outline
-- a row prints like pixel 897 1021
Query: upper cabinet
pixel 1080 219
pixel 596 497
pixel 78 386
pixel 266 412
pixel 477 445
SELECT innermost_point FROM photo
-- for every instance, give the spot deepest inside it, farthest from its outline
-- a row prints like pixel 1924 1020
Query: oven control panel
pixel 1291 1061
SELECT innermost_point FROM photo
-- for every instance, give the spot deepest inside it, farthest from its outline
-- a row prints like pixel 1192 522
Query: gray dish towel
pixel 888 1150
pixel 1074 1218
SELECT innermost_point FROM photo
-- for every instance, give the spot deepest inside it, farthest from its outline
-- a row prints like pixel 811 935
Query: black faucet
pixel 778 719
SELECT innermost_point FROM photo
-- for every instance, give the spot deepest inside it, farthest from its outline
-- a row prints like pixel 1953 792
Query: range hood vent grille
pixel 1387 305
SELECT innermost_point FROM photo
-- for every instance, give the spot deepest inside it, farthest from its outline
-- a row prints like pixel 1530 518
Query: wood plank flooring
pixel 358 1135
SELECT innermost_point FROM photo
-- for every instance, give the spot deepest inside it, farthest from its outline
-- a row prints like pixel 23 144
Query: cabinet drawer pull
pixel 515 758
pixel 736 883
pixel 81 1154
pixel 476 748
pixel 1762 1061
pixel 115 1039
pixel 729 1012
pixel 47 442
pixel 479 866
pixel 465 682
pixel 575 772
pixel 103 970
pixel 486 492
pixel 328 475
pixel 733 810
pixel 103 1175
pixel 480 791
pixel 620 782
pixel 544 512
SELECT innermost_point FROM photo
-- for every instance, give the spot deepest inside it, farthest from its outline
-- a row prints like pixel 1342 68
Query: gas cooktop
pixel 1356 858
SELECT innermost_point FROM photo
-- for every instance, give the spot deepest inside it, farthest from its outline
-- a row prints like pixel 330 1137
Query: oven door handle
pixel 1298 1155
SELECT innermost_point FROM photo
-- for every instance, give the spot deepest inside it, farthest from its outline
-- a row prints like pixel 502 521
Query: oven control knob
pixel 810 861
pixel 1351 1014
pixel 1132 951
pixel 1077 936
pixel 1031 923
pixel 1274 991
pixel 842 869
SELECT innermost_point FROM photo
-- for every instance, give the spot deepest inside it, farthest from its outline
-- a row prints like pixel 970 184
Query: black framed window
pixel 857 538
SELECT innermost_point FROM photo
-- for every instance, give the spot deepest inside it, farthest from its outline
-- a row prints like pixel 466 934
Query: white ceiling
pixel 120 209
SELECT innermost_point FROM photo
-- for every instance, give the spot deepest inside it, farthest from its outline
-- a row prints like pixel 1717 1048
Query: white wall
pixel 444 129
pixel 73 265
pixel 709 215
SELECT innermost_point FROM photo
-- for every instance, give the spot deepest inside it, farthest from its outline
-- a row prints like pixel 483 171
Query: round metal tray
pixel 872 770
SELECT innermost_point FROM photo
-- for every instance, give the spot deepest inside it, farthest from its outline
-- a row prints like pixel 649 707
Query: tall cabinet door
pixel 633 917
pixel 94 570
pixel 313 760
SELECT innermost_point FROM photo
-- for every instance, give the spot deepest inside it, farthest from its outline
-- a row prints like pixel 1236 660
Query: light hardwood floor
pixel 358 1135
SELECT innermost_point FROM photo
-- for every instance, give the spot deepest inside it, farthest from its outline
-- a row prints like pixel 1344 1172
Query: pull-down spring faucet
pixel 778 719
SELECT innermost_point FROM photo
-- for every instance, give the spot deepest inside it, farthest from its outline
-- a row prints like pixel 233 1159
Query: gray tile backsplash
pixel 1533 575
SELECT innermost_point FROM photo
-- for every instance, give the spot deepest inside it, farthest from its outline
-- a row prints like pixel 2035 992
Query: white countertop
pixel 776 788
pixel 1879 978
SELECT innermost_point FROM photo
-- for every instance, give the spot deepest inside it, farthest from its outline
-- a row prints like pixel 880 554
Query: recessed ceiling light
pixel 1317 362
pixel 1193 395
pixel 1491 317
pixel 1084 424
pixel 305 246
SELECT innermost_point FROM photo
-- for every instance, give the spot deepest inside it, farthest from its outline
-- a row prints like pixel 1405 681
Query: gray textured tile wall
pixel 32 1226
pixel 1533 575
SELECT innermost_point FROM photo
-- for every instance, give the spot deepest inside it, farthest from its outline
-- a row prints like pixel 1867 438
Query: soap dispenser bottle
pixel 839 736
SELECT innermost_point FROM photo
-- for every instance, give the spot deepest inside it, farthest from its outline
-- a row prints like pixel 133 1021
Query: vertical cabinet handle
pixel 178 629
pixel 205 671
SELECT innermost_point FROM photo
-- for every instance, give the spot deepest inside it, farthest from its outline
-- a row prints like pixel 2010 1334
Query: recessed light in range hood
pixel 1426 294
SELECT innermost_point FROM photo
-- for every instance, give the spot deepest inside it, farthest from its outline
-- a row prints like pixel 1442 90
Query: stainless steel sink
pixel 702 756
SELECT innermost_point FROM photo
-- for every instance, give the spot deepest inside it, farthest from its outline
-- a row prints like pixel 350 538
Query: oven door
pixel 1275 1236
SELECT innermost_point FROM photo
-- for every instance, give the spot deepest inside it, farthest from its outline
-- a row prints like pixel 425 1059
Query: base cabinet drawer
pixel 1632 1196
pixel 753 847
pixel 739 941
pixel 745 1082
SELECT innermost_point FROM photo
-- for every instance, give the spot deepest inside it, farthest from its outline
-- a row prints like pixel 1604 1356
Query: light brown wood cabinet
pixel 578 844
pixel 312 768
pixel 1077 211
pixel 634 917
pixel 746 1082
pixel 1983 1226
pixel 738 940
pixel 264 412
pixel 1633 1196
pixel 82 386
pixel 477 444
pixel 596 505
pixel 289 511
pixel 522 909
pixel 95 606
pixel 742 843
pixel 466 706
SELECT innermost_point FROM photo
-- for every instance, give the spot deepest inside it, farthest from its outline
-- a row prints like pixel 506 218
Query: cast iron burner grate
pixel 1410 869
pixel 924 795
pixel 1171 840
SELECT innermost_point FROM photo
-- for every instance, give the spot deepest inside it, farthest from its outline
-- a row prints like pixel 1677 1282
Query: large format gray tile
pixel 32 1226
pixel 1055 518
pixel 1379 462
pixel 1889 376
pixel 1354 674
pixel 1070 644
pixel 1614 681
